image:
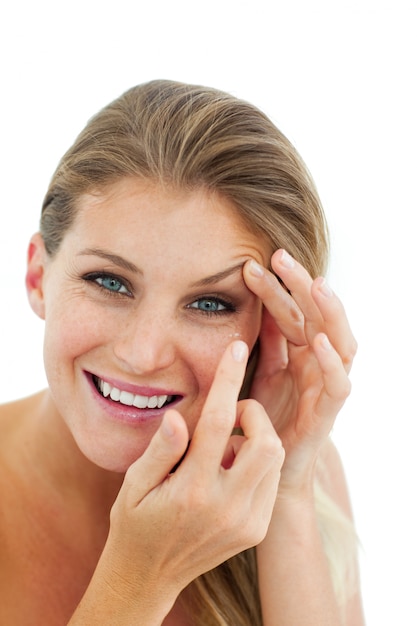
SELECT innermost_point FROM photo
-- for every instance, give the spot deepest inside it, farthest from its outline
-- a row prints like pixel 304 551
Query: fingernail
pixel 256 269
pixel 286 260
pixel 325 343
pixel 325 289
pixel 167 427
pixel 239 351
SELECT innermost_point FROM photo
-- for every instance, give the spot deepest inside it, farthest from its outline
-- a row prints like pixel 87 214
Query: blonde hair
pixel 187 137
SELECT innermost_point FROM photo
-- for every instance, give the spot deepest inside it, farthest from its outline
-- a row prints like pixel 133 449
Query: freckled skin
pixel 150 332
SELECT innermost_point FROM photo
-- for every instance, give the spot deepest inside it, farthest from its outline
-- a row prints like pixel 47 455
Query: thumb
pixel 165 449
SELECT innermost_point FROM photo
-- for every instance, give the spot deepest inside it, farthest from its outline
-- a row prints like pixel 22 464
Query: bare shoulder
pixel 11 408
pixel 13 417
pixel 18 407
pixel 9 412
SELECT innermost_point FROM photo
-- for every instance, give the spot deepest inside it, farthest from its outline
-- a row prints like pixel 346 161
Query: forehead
pixel 192 218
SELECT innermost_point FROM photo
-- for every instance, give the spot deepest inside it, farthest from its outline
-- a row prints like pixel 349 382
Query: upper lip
pixel 138 390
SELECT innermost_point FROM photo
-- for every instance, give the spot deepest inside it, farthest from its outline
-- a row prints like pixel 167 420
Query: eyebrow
pixel 131 267
pixel 113 258
pixel 216 278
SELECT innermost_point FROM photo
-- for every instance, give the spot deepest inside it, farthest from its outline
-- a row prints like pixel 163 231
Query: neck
pixel 50 451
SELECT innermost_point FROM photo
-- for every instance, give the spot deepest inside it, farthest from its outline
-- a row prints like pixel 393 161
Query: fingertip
pixel 175 437
pixel 323 342
pixel 168 425
pixel 173 425
pixel 323 287
pixel 255 270
pixel 282 259
pixel 240 351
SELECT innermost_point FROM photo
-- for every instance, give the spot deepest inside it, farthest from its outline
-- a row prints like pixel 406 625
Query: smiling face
pixel 140 302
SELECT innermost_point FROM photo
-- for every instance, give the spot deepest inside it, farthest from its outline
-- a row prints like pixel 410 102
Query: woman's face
pixel 141 300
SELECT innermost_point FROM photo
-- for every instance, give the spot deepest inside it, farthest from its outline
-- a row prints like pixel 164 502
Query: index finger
pixel 279 302
pixel 218 416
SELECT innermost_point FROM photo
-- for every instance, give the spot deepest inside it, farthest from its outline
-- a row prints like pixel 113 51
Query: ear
pixel 36 261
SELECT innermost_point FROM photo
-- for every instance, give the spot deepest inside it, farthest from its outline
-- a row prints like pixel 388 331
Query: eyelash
pixel 229 307
pixel 95 277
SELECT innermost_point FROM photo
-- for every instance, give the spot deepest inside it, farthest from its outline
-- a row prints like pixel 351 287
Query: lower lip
pixel 124 413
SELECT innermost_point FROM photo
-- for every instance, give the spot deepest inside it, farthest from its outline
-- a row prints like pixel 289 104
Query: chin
pixel 117 458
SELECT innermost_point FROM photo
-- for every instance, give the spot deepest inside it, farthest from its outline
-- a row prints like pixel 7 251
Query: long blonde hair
pixel 187 136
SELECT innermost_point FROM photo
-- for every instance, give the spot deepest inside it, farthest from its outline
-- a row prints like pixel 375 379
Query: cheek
pixel 205 350
pixel 213 342
pixel 71 330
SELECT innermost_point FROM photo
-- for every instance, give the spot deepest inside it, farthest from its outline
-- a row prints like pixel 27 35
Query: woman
pixel 178 470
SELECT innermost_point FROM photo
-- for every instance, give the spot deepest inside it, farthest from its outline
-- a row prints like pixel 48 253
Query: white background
pixel 339 78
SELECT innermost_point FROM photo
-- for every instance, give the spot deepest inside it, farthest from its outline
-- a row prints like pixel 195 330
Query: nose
pixel 146 344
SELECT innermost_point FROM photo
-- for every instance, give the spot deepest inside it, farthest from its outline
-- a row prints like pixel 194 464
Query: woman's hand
pixel 306 351
pixel 168 528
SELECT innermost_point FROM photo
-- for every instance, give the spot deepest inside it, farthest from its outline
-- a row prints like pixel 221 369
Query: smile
pixel 130 399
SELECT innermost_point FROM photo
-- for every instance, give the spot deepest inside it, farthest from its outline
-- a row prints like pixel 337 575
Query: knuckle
pixel 189 507
pixel 271 446
pixel 195 502
pixel 114 513
pixel 242 524
pixel 251 405
pixel 198 498
pixel 229 520
pixel 254 531
pixel 130 476
pixel 350 353
pixel 220 420
pixel 343 390
pixel 280 456
pixel 354 348
pixel 232 380
pixel 296 316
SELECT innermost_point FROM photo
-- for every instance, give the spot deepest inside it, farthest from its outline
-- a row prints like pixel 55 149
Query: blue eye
pixel 212 306
pixel 109 283
pixel 208 306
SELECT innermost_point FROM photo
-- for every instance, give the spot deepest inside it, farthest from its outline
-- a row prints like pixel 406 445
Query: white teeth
pixel 161 401
pixel 153 402
pixel 115 394
pixel 126 398
pixel 129 399
pixel 140 402
pixel 105 389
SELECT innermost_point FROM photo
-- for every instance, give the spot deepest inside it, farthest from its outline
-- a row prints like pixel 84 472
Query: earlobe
pixel 35 274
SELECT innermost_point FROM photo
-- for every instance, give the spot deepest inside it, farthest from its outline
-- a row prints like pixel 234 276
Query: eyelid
pixel 92 277
pixel 229 306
